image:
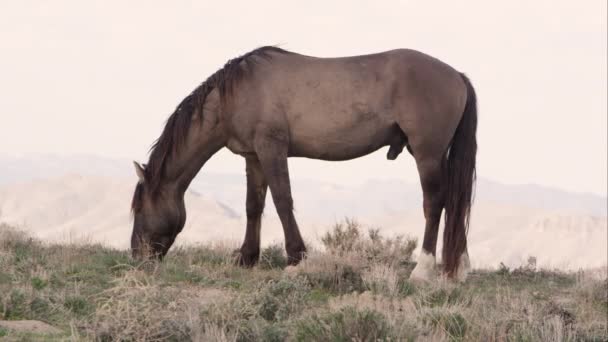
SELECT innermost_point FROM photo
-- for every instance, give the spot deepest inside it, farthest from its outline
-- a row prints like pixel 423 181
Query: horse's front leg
pixel 256 198
pixel 272 154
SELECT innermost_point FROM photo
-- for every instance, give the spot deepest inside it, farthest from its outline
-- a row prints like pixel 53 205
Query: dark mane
pixel 176 128
pixel 136 202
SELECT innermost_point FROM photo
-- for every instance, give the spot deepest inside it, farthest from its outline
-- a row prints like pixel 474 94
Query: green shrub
pixel 173 272
pixel 38 283
pixel 78 305
pixel 336 277
pixel 112 261
pixel 273 333
pixel 405 287
pixel 503 270
pixel 319 295
pixel 5 278
pixel 86 273
pixel 348 324
pixel 278 300
pixel 40 308
pixel 453 324
pixel 251 330
pixel 16 306
pixel 272 256
pixel 205 255
pixel 346 237
pixel 343 237
pixel 56 281
pixel 442 297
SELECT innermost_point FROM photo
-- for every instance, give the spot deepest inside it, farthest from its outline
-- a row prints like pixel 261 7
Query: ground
pixel 355 288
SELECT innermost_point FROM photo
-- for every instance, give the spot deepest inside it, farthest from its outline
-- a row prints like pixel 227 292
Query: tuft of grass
pixel 318 295
pixel 79 306
pixel 279 300
pixel 348 324
pixel 450 323
pixel 40 308
pixel 405 288
pixel 176 272
pixel 442 296
pixel 331 273
pixel 273 257
pixel 15 306
pixel 38 283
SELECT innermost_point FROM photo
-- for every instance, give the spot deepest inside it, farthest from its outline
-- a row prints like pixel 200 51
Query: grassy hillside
pixel 357 289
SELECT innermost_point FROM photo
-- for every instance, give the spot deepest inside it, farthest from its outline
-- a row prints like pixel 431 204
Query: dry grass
pixel 357 289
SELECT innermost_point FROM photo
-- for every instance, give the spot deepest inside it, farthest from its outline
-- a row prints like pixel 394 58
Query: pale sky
pixel 101 77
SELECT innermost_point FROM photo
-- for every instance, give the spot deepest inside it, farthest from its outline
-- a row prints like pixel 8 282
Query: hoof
pixel 425 268
pixel 246 259
pixel 295 256
pixel 464 267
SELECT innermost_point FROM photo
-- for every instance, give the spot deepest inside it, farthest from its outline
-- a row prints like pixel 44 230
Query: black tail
pixel 460 180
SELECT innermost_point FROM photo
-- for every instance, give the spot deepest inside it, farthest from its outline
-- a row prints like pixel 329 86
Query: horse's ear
pixel 140 171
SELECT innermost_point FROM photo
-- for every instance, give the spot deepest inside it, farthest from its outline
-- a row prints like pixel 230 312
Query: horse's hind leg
pixel 272 154
pixel 256 198
pixel 431 171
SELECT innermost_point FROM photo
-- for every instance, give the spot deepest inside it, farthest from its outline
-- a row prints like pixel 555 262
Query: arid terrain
pixel 355 287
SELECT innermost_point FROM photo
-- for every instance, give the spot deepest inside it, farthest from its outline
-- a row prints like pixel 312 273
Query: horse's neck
pixel 203 141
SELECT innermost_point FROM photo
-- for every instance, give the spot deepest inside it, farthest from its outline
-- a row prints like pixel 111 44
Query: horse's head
pixel 158 216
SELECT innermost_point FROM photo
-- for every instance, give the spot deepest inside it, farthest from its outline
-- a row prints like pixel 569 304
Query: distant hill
pixel 84 197
pixel 92 208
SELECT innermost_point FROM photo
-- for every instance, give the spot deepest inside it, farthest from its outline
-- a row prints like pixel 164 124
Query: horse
pixel 271 104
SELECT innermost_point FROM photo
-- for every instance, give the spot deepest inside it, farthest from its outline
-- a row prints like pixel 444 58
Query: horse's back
pixel 344 107
pixel 380 80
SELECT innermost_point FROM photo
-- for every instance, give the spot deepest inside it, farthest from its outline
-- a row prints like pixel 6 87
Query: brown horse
pixel 271 104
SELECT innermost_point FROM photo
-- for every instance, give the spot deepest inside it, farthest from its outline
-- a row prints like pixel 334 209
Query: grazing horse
pixel 271 104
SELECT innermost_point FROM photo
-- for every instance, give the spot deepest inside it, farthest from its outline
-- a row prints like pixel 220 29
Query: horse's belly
pixel 338 139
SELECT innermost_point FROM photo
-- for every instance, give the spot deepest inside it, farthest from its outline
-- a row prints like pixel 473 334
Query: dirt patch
pixel 35 327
